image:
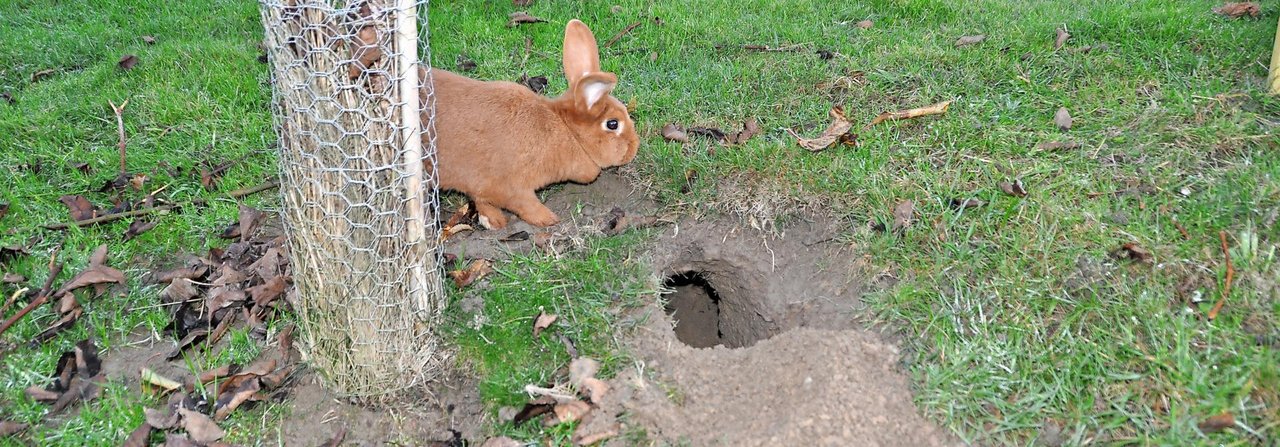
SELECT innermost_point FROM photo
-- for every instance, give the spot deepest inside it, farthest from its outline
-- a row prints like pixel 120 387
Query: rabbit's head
pixel 599 121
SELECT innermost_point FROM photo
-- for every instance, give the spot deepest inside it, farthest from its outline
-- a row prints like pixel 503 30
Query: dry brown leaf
pixel 568 412
pixel 970 40
pixel 672 132
pixel 478 269
pixel 151 378
pixel 902 215
pixel 96 273
pixel 137 227
pixel 223 296
pixel 1014 188
pixel 1133 252
pixel 837 132
pixel 515 237
pixel 502 441
pixel 1063 35
pixel 1218 422
pixel 1236 10
pixel 450 231
pixel 1062 119
pixel 962 204
pixel 201 429
pixel 250 220
pixel 180 289
pixel 865 24
pixel 127 61
pixel 520 17
pixel 4 209
pixel 263 294
pixel 79 207
pixel 149 40
pixel 10 428
pixel 215 374
pixel 542 322
pixel 917 112
pixel 40 394
pixel 140 436
pixel 178 440
pixel 229 400
pixel 750 128
pixel 1056 145
pixel 535 83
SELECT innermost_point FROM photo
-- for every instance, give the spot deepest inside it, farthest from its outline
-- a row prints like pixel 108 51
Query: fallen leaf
pixel 917 112
pixel 902 215
pixel 865 24
pixel 542 322
pixel 137 227
pixel 230 400
pixel 1063 35
pixel 215 374
pixel 533 409
pixel 10 428
pixel 127 61
pixel 149 40
pixel 837 132
pixel 449 232
pixel 201 429
pixel 140 437
pixel 672 132
pixel 337 438
pixel 137 181
pixel 1133 252
pixel 520 17
pixel 263 294
pixel 568 412
pixel 962 204
pixel 502 441
pixel 465 63
pixel 1057 145
pixel 1238 9
pixel 39 394
pixel 79 207
pixel 223 296
pixel 970 40
pixel 750 128
pixel 516 237
pixel 653 56
pixel 97 272
pixel 1218 422
pixel 1062 119
pixel 161 420
pixel 151 378
pixel 826 55
pixel 193 337
pixel 8 252
pixel 478 269
pixel 1014 189
pixel 210 174
pixel 41 74
pixel 285 341
pixel 180 289
pixel 710 133
pixel 536 83
pixel 81 390
pixel 250 220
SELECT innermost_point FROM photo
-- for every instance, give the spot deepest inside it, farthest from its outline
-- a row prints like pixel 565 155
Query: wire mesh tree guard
pixel 353 112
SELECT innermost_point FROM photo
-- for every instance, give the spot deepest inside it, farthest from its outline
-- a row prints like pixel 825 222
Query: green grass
pixel 1013 313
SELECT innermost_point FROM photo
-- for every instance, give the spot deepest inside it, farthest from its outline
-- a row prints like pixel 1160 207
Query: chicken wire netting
pixel 353 113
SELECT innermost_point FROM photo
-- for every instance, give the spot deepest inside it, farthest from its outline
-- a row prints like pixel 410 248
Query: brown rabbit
pixel 498 142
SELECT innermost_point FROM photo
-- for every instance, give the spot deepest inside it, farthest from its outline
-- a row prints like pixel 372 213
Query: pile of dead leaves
pixel 97 275
pixel 244 281
pixel 574 401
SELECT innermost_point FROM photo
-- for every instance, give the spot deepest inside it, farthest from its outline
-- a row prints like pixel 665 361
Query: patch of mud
pixel 756 341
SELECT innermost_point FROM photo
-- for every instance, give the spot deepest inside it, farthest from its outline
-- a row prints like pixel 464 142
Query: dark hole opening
pixel 695 306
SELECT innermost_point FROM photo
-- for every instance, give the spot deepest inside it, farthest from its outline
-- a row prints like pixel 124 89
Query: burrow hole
pixel 695 306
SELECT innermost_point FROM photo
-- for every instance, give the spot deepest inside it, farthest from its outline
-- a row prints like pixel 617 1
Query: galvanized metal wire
pixel 353 112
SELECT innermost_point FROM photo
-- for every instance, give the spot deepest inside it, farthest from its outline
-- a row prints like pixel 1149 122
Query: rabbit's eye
pixel 611 124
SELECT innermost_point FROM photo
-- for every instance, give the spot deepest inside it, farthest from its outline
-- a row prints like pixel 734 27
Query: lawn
pixel 1019 317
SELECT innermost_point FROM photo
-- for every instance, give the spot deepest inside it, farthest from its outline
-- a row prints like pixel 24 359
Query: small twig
pixel 12 299
pixel 1231 273
pixel 1181 229
pixel 55 268
pixel 239 193
pixel 120 126
pixel 621 33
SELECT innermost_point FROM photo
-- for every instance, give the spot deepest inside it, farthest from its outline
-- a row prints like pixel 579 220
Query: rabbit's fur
pixel 498 142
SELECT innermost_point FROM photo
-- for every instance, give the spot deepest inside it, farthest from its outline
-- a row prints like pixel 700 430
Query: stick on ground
pixel 1231 273
pixel 55 268
pixel 120 126
pixel 239 193
pixel 621 33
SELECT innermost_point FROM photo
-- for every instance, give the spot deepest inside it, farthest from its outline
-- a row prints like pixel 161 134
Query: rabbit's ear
pixel 580 53
pixel 591 88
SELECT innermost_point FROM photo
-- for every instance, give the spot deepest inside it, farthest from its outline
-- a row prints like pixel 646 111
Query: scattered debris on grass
pixel 542 322
pixel 149 40
pixel 137 227
pixel 1236 10
pixel 1063 35
pixel 963 204
pixel 690 180
pixel 127 62
pixel 1056 145
pixel 1014 188
pixel 465 64
pixel 536 83
pixel 1217 422
pixel 782 49
pixel 80 207
pixel 1226 285
pixel 865 24
pixel 477 270
pixel 839 131
pixel 77 378
pixel 970 40
pixel 1062 119
pixel 934 109
pixel 4 209
pixel 672 132
pixel 621 33
pixel 520 17
pixel 1133 252
pixel 826 55
pixel 750 128
pixel 902 215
